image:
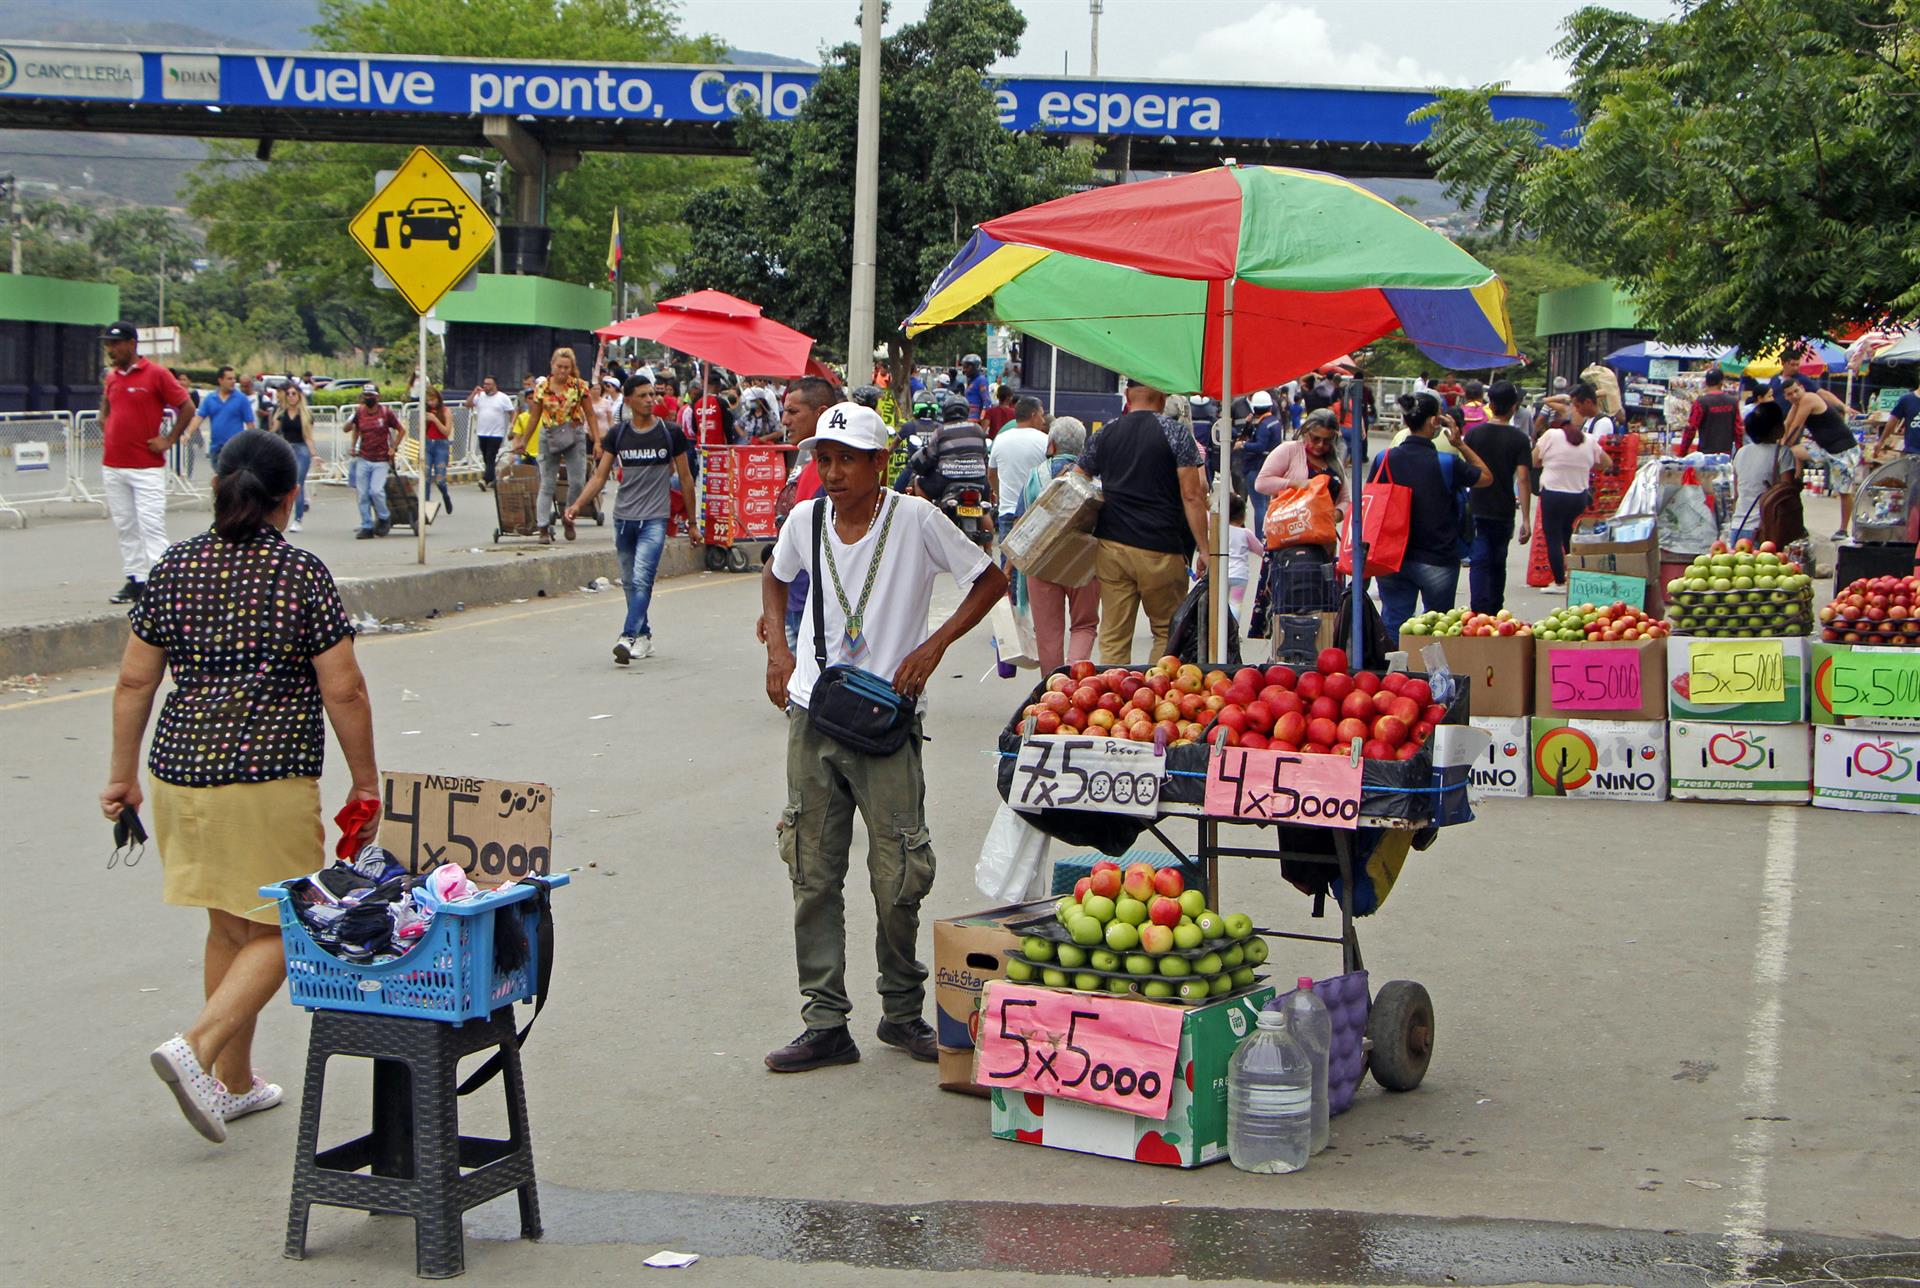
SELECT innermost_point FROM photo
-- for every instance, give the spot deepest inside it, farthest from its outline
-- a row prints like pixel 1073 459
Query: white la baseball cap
pixel 858 427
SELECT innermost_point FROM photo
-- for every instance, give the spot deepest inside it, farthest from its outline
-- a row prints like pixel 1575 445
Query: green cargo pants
pixel 825 784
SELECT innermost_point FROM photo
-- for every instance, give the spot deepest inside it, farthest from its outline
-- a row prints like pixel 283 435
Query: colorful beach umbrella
pixel 1148 278
pixel 1638 358
pixel 1817 357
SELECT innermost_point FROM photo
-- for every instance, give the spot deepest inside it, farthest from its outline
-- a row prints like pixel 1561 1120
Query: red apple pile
pixel 1500 623
pixel 1169 701
pixel 1598 622
pixel 1323 711
pixel 1874 610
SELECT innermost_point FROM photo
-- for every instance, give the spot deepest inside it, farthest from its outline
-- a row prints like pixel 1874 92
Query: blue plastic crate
pixel 448 975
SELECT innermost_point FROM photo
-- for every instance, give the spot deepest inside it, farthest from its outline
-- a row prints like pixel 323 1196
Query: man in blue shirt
pixel 1904 420
pixel 1430 569
pixel 979 397
pixel 225 412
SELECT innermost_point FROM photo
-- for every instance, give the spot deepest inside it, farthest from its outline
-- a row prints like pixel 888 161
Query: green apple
pixel 1018 971
pixel 1036 949
pixel 1194 990
pixel 1088 982
pixel 1208 965
pixel 1211 925
pixel 1187 935
pixel 1256 951
pixel 1119 986
pixel 1192 902
pixel 1242 977
pixel 1239 925
pixel 1064 910
pixel 1072 956
pixel 1055 978
pixel 1175 966
pixel 1122 937
pixel 1099 907
pixel 1138 964
pixel 1085 930
pixel 1234 956
pixel 1156 988
pixel 1101 959
pixel 1130 910
pixel 1220 985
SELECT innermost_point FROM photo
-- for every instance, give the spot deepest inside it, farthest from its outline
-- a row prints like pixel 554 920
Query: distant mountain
pixel 754 58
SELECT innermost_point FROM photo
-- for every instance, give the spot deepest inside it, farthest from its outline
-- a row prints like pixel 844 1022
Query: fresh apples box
pixel 1866 770
pixel 968 952
pixel 1194 1131
pixel 1498 665
pixel 1790 708
pixel 1621 681
pixel 1768 764
pixel 1869 687
pixel 1604 760
pixel 1505 768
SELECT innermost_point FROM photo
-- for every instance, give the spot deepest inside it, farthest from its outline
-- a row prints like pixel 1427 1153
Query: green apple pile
pixel 1142 932
pixel 1741 591
pixel 1451 622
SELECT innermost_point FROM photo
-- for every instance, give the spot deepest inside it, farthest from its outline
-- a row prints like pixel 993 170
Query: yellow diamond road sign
pixel 423 230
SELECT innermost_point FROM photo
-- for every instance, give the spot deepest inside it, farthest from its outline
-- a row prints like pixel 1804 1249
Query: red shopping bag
pixel 1386 515
pixel 1301 516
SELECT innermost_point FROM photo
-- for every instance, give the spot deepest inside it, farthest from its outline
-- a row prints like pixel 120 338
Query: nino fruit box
pixel 1194 1131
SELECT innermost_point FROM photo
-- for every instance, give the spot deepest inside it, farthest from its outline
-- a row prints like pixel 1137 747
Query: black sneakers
pixel 128 594
pixel 915 1037
pixel 382 527
pixel 363 534
pixel 815 1049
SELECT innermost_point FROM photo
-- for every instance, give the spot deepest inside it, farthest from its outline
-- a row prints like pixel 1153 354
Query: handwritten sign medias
pixel 493 829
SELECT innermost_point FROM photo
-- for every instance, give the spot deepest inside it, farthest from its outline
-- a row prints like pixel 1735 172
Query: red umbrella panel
pixel 738 342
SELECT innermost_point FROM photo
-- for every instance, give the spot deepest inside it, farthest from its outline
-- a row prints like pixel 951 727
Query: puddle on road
pixel 1200 1243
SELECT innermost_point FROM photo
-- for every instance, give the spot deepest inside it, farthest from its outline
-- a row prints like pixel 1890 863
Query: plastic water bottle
pixel 1311 1025
pixel 1270 1100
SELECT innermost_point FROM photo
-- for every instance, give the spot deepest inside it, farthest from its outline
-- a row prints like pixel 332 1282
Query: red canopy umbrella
pixel 720 329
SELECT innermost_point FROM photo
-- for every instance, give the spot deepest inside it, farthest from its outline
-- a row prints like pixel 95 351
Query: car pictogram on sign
pixel 430 219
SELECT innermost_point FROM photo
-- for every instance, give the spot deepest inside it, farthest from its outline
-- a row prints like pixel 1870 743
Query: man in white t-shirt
pixel 880 551
pixel 1018 450
pixel 492 416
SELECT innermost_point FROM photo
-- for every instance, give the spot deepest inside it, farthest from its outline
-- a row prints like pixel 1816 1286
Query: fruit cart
pixel 1340 823
pixel 739 492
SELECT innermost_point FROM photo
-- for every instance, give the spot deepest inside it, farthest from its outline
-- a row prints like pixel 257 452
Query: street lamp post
pixel 494 169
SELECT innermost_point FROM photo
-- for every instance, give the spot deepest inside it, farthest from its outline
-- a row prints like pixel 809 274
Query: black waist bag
pixel 855 708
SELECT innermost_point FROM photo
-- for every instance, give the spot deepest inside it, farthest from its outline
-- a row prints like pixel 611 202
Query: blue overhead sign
pixel 682 92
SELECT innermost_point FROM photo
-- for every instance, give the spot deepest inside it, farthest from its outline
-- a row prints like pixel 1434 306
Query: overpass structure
pixel 541 115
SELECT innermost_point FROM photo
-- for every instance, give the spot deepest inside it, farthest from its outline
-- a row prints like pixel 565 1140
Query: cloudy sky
pixel 1353 42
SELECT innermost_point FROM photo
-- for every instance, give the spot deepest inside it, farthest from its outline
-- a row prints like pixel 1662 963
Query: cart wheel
pixel 716 559
pixel 738 560
pixel 1400 1027
pixel 599 518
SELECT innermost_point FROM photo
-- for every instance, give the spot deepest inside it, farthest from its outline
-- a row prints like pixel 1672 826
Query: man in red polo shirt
pixel 136 399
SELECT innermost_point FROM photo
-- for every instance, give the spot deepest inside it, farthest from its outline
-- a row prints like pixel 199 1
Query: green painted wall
pixel 528 301
pixel 26 298
pixel 1596 306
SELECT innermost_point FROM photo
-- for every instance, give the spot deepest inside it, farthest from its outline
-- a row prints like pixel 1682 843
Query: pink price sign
pixel 1283 787
pixel 1106 1051
pixel 1595 679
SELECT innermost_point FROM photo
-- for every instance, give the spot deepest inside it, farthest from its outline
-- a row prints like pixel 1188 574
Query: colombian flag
pixel 613 247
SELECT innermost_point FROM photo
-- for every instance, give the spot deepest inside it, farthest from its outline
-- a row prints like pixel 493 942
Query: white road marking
pixel 1747 1219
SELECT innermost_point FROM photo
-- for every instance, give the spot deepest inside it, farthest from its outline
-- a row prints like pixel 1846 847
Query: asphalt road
pixel 1675 1042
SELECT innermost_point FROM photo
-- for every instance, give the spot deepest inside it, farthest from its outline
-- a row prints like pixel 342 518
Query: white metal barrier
pixel 34 459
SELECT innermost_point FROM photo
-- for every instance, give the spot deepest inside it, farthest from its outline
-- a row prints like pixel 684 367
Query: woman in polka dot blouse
pixel 259 646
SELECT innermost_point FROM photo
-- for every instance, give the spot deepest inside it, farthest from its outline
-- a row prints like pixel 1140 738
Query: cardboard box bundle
pixel 1767 764
pixel 968 952
pixel 1505 768
pixel 1195 1128
pixel 1891 720
pixel 1053 540
pixel 1870 771
pixel 1639 557
pixel 1612 760
pixel 1651 659
pixel 1498 669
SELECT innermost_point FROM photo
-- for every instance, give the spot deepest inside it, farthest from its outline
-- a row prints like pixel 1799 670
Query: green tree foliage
pixel 1745 170
pixel 785 239
pixel 288 219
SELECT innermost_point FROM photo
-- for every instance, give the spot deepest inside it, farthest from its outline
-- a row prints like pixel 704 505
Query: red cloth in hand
pixel 352 818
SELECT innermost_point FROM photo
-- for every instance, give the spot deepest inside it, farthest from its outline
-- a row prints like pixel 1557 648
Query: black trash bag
pixel 1187 631
pixel 1374 639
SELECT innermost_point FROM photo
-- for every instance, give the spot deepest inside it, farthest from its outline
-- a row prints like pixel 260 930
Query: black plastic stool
pixel 410 1163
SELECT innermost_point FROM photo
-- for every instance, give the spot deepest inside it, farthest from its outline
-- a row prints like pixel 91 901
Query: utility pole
pixel 163 287
pixel 1094 8
pixel 866 200
pixel 10 188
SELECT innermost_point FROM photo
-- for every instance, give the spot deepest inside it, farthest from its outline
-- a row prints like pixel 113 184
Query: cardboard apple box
pixel 968 952
pixel 1790 709
pixel 1505 768
pixel 1770 764
pixel 1890 720
pixel 1607 760
pixel 1498 667
pixel 1866 770
pixel 1652 661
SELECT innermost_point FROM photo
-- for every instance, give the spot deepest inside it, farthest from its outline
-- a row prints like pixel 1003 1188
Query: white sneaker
pixel 199 1092
pixel 262 1095
pixel 623 650
pixel 643 646
pixel 294 526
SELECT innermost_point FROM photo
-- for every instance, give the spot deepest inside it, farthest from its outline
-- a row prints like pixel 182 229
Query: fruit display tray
pixel 1047 927
pixel 1259 978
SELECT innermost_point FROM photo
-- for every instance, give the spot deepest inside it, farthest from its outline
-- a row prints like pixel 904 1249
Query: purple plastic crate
pixel 1347 1004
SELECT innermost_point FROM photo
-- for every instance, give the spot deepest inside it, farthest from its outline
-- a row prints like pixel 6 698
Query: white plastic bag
pixel 1012 866
pixel 1643 494
pixel 1013 637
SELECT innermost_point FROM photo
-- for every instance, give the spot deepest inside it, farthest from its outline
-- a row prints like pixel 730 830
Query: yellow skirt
pixel 219 845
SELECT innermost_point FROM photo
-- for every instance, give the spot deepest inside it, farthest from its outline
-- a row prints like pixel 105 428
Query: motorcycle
pixel 965 504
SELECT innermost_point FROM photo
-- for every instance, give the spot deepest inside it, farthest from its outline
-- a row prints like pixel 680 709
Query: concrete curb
pixel 98 640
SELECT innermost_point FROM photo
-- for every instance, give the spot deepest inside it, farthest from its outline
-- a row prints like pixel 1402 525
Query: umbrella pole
pixel 1356 411
pixel 1218 601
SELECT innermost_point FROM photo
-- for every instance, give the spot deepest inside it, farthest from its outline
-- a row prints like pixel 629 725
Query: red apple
pixel 1290 727
pixel 1367 682
pixel 1232 717
pixel 1250 675
pixel 1109 702
pixel 1047 722
pixel 1357 705
pixel 1374 749
pixel 1104 865
pixel 1281 675
pixel 1339 685
pixel 1159 684
pixel 1317 749
pixel 1260 717
pixel 1310 686
pixel 1256 741
pixel 1275 696
pixel 1138 882
pixel 1419 690
pixel 1406 709
pixel 1106 884
pixel 1322 730
pixel 1081 670
pixel 1394 681
pixel 1241 694
pixel 1407 751
pixel 1391 730
pixel 1167 883
pixel 1086 697
pixel 1434 714
pixel 1059 683
pixel 1323 708
pixel 1074 718
pixel 1081 887
pixel 1349 729
pixel 1421 730
pixel 1332 660
pixel 1288 701
pixel 1164 911
pixel 1281 744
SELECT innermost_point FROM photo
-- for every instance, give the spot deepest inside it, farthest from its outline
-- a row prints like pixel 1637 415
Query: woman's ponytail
pixel 256 472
